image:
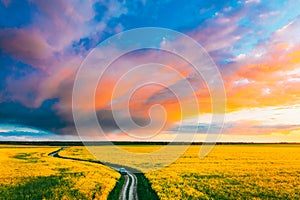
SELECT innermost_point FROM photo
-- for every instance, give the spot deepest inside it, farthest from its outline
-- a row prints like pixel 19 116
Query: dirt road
pixel 129 189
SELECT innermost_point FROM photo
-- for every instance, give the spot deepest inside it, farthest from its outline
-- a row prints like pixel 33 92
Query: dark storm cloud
pixel 42 44
pixel 43 117
pixel 108 123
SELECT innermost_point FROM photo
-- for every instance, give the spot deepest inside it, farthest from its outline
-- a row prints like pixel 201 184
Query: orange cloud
pixel 269 80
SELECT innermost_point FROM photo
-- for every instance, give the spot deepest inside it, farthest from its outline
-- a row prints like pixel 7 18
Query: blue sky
pixel 43 43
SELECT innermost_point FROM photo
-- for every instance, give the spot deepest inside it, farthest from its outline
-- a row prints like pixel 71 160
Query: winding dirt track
pixel 129 189
pixel 130 183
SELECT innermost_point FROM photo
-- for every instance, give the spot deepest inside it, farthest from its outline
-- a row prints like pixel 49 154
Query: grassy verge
pixel 144 188
pixel 115 193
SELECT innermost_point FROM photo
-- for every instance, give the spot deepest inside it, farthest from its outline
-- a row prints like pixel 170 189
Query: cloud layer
pixel 43 47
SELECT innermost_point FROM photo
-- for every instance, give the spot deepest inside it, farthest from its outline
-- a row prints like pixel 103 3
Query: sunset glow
pixel 254 44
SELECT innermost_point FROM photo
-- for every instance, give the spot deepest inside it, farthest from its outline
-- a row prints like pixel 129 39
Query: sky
pixel 255 45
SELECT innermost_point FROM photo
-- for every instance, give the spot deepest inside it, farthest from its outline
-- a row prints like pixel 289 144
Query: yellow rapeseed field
pixel 253 171
pixel 28 172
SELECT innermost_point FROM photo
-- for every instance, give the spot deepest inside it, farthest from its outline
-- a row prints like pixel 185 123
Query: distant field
pixel 27 172
pixel 254 171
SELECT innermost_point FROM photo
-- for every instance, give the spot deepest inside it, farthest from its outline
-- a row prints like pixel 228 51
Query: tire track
pixel 130 190
pixel 123 193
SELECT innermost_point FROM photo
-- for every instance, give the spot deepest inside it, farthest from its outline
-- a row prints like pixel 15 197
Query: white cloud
pixel 272 115
pixel 252 1
pixel 7 128
pixel 241 82
pixel 4 130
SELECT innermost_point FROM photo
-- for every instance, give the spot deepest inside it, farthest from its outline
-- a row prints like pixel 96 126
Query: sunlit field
pixel 255 171
pixel 27 172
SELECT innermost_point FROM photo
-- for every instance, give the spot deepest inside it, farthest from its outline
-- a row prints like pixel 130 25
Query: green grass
pixel 144 188
pixel 115 193
pixel 29 157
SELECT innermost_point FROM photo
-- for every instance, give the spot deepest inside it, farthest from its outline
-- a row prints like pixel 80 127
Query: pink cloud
pixel 270 66
pixel 44 45
pixel 28 46
pixel 6 2
pixel 254 128
pixel 220 32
